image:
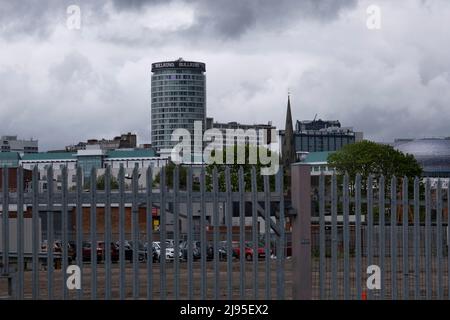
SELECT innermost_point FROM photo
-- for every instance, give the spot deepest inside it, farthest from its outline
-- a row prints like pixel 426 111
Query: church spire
pixel 288 150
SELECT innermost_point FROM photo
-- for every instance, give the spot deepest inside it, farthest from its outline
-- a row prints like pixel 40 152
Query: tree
pixel 114 184
pixel 169 170
pixel 234 172
pixel 234 169
pixel 368 157
pixel 101 183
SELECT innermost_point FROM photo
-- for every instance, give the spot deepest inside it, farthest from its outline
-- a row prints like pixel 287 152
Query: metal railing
pixel 399 225
pixel 340 225
pixel 79 219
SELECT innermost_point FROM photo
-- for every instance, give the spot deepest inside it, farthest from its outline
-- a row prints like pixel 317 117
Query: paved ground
pixel 170 282
pixel 436 280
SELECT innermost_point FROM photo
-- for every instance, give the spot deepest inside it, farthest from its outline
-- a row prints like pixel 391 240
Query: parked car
pixel 71 253
pixel 58 250
pixel 170 242
pixel 114 251
pixel 87 249
pixel 249 251
pixel 140 249
pixel 209 251
pixel 196 249
pixel 223 249
pixel 56 246
pixel 154 253
pixel 128 249
pixel 170 252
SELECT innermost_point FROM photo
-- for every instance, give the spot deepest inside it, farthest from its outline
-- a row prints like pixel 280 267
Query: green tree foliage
pixel 169 171
pixel 368 157
pixel 234 170
pixel 101 183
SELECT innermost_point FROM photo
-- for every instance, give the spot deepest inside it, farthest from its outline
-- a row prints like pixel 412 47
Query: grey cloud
pixel 233 18
pixel 135 4
pixel 75 67
pixel 23 17
pixel 383 101
pixel 79 102
pixel 96 83
pixel 38 18
pixel 223 20
pixel 226 19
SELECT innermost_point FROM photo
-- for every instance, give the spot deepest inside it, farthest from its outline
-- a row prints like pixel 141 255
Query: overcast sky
pixel 62 85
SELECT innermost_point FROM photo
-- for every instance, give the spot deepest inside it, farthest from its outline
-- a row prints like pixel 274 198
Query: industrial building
pixel 13 144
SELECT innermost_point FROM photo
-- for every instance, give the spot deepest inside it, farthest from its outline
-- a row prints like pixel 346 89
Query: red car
pixel 87 252
pixel 236 247
pixel 114 251
pixel 249 251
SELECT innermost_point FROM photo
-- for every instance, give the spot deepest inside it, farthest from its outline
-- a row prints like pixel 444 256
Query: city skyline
pixel 61 86
pixel 228 150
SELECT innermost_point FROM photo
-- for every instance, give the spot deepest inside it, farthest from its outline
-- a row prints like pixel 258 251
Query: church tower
pixel 288 154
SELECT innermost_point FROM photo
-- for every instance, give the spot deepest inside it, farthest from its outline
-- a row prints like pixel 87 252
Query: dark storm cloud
pixel 135 4
pixel 62 86
pixel 219 18
pixel 25 17
pixel 232 18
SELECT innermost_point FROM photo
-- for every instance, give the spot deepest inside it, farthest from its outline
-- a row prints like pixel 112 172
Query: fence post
pixel 301 231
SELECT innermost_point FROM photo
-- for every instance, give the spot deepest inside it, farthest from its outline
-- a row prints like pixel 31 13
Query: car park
pixel 223 250
pixel 155 251
pixel 140 250
pixel 249 248
pixel 114 251
pixel 196 250
pixel 128 249
pixel 170 252
pixel 87 249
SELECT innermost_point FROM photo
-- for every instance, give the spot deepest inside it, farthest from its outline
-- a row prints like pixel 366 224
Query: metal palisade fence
pixel 379 238
pixel 222 233
pixel 72 235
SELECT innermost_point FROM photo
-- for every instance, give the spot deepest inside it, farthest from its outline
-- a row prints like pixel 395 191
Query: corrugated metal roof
pixel 113 154
pixel 139 153
pixel 49 156
pixel 9 156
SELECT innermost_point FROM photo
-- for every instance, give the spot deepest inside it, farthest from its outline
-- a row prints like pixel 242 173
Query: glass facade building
pixel 432 154
pixel 178 98
pixel 322 140
pixel 318 141
pixel 87 163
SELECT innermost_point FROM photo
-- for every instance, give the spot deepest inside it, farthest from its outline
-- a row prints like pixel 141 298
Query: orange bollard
pixel 364 295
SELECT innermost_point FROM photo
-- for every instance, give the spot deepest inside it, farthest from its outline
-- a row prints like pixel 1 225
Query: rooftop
pixel 49 156
pixel 9 156
pixel 178 64
pixel 124 153
pixel 136 153
pixel 433 154
pixel 317 157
